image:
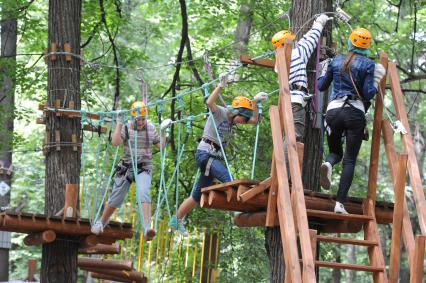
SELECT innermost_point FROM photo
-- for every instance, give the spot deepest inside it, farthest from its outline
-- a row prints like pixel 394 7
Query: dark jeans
pixel 350 122
pixel 217 170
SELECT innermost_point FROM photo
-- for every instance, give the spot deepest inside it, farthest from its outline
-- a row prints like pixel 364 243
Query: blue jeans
pixel 217 170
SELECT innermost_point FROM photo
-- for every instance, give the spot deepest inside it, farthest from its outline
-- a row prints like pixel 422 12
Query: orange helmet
pixel 242 102
pixel 361 38
pixel 279 38
pixel 138 105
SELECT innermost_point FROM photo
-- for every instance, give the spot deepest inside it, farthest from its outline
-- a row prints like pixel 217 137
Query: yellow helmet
pixel 361 38
pixel 279 38
pixel 142 109
pixel 242 102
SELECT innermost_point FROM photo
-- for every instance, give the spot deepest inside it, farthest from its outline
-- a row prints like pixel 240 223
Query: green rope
pixel 260 107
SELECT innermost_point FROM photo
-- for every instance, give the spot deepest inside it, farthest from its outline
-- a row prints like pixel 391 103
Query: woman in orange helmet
pixel 208 156
pixel 355 82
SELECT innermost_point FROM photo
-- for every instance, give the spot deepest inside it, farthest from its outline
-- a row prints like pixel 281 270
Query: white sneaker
pixel 339 208
pixel 97 228
pixel 325 175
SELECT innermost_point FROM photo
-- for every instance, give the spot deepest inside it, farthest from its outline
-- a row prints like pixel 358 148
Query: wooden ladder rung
pixel 350 266
pixel 346 241
pixel 333 215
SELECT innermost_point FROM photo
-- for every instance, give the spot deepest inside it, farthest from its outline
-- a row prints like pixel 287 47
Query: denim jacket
pixel 362 69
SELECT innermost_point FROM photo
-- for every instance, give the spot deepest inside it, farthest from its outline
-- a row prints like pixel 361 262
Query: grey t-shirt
pixel 224 129
pixel 146 138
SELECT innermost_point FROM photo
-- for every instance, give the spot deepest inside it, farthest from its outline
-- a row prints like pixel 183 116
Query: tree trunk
pixel 336 275
pixel 351 254
pixel 275 254
pixel 242 32
pixel 59 259
pixel 7 91
pixel 301 11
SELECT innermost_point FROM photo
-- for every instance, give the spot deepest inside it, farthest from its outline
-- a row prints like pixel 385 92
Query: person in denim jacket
pixel 355 82
pixel 208 155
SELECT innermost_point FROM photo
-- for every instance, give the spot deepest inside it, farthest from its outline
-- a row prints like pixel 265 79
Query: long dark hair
pixel 346 67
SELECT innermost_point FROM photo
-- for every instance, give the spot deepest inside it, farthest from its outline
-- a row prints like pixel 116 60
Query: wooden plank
pixel 300 151
pixel 105 263
pixel 247 59
pixel 333 215
pixel 417 268
pixel 271 209
pixel 407 140
pixel 217 200
pixel 225 186
pixel 395 249
pixel 407 228
pixel 104 277
pixel 44 237
pixel 101 249
pixel 257 189
pixel 314 238
pixel 124 274
pixel 347 241
pixel 296 177
pixel 241 190
pixel 356 267
pixel 375 137
pixel 371 233
pixel 285 213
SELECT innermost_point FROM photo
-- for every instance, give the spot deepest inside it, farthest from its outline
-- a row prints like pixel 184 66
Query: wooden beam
pixel 407 228
pixel 313 236
pixel 89 241
pixel 285 213
pixel 417 268
pixel 255 190
pixel 71 196
pixel 109 278
pixel 44 237
pixel 407 140
pixel 271 209
pixel 225 186
pixel 124 274
pixel 296 177
pixel 241 190
pixel 395 249
pixel 247 59
pixel 375 137
pixel 218 200
pixel 85 262
pixel 101 249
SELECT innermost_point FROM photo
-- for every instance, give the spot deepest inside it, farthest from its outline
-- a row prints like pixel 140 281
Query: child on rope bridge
pixel 356 81
pixel 208 155
pixel 147 136
pixel 298 79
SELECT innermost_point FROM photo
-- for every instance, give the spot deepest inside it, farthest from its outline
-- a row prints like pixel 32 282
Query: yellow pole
pixel 194 262
pixel 179 253
pixel 151 244
pixel 170 253
pixel 187 254
pixel 202 256
pixel 159 240
pixel 141 251
pixel 217 250
pixel 125 241
pixel 81 194
pixel 210 255
pixel 132 214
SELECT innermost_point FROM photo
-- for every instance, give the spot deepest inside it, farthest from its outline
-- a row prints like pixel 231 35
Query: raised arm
pixel 211 100
pixel 116 139
pixel 309 41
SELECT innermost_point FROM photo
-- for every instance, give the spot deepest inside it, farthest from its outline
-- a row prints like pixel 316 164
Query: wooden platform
pixel 30 223
pixel 251 197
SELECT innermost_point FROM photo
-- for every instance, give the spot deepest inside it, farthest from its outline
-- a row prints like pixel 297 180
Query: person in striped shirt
pixel 298 79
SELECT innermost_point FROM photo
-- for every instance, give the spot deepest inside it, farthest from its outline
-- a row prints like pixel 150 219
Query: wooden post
pixel 375 137
pixel 85 262
pixel 416 268
pixel 285 213
pixel 32 267
pixel 399 189
pixel 71 195
pixel 300 151
pixel 313 236
pixel 296 178
pixel 407 140
pixel 407 228
pixel 44 237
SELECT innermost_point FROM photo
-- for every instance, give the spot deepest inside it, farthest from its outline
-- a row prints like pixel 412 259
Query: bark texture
pixel 242 32
pixel 59 259
pixel 7 90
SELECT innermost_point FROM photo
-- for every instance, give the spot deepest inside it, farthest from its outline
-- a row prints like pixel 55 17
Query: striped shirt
pixel 146 138
pixel 300 55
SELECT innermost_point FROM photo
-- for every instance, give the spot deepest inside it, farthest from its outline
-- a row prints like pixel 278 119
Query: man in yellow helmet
pixel 298 79
pixel 208 156
pixel 146 137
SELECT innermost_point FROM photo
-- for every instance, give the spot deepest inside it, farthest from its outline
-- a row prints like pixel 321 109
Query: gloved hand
pixel 260 96
pixel 379 73
pixel 165 124
pixel 120 118
pixel 223 80
pixel 324 66
pixel 321 21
